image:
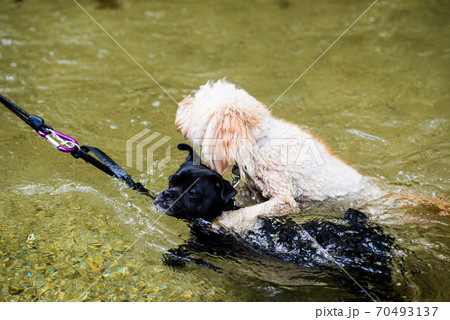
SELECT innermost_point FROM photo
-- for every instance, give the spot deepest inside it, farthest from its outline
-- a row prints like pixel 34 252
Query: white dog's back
pixel 308 166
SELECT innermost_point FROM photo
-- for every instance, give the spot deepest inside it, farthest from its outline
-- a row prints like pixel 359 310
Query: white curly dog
pixel 277 159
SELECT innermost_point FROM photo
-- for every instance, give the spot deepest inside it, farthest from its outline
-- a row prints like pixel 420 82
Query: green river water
pixel 379 98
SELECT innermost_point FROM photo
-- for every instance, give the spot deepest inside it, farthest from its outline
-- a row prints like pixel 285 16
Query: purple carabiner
pixel 63 139
pixel 70 139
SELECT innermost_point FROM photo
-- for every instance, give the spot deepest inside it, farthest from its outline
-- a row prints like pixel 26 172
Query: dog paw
pixel 237 221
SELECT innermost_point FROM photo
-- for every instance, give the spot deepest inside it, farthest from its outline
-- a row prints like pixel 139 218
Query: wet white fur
pixel 276 158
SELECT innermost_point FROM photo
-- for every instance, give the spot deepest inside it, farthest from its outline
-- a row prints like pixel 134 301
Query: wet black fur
pixel 358 246
pixel 355 245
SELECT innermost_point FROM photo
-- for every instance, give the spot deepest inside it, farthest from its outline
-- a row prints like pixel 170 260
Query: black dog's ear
pixel 224 189
pixel 193 157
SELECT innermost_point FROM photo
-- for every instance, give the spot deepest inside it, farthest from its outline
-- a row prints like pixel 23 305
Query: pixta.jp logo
pixel 148 153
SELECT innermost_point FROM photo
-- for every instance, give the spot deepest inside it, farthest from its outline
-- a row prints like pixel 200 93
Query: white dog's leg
pixel 246 218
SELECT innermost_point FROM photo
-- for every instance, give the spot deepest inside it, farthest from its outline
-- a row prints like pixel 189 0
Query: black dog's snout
pixel 166 201
pixel 167 194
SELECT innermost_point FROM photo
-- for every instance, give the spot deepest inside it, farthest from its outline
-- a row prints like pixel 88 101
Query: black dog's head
pixel 195 191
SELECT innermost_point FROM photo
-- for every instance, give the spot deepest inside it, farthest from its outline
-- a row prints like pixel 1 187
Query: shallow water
pixel 379 98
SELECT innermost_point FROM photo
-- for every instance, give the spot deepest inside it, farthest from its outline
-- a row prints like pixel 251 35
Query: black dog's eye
pixel 172 179
pixel 192 193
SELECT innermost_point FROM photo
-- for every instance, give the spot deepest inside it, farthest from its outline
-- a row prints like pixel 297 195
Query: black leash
pixel 110 167
pixel 67 144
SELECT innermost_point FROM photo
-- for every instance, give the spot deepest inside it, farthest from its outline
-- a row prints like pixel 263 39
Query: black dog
pixel 195 191
pixel 199 195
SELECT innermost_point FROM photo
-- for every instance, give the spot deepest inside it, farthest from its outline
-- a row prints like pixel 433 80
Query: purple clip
pixel 63 139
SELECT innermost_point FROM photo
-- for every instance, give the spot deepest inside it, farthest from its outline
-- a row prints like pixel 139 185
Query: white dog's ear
pixel 183 121
pixel 231 131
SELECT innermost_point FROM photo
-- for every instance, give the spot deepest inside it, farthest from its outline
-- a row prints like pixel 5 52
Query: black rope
pixel 34 122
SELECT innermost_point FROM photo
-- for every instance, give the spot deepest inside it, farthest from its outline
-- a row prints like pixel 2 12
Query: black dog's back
pixel 360 248
pixel 353 244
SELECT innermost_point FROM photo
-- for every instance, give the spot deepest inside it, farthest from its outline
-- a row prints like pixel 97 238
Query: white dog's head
pixel 223 121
